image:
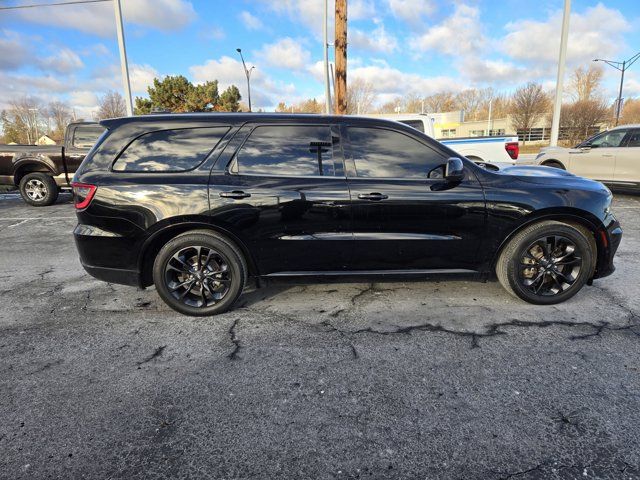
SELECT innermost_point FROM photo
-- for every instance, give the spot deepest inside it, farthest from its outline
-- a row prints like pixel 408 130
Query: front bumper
pixel 609 241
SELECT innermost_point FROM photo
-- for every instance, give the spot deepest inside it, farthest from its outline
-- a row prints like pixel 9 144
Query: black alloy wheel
pixel 547 262
pixel 198 276
pixel 550 265
pixel 199 273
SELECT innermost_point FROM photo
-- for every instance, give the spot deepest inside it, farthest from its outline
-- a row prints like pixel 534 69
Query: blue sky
pixel 400 46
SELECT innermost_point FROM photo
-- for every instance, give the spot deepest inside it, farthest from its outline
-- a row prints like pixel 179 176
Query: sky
pixel 420 47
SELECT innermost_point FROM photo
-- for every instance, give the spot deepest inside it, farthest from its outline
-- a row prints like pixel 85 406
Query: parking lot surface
pixel 438 379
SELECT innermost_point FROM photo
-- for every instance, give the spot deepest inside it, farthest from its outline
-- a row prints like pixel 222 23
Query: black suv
pixel 199 203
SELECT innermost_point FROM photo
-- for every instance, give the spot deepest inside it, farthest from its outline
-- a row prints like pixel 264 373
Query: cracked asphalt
pixel 438 379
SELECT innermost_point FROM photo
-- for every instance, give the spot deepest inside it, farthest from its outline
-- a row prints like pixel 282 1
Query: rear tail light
pixel 83 194
pixel 513 149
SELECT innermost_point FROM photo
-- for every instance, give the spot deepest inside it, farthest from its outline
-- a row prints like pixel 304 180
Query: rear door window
pixel 175 150
pixel 287 150
pixel 634 139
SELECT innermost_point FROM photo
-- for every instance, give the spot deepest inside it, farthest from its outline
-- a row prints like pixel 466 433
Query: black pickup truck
pixel 40 172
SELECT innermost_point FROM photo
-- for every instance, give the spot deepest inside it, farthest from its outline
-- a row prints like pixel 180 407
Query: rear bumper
pixel 610 241
pixel 114 275
pixel 107 256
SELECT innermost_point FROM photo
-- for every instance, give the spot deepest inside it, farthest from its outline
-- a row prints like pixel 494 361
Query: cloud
pixel 250 22
pixel 389 83
pixel 485 71
pixel 265 92
pixel 14 53
pixel 461 32
pixel 285 53
pixel 411 11
pixel 378 40
pixel 98 18
pixel 598 32
pixel 64 61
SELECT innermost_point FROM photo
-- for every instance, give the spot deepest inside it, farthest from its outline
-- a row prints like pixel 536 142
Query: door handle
pixel 237 194
pixel 373 196
pixel 607 155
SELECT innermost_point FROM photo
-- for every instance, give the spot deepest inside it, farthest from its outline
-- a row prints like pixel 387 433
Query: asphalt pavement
pixel 438 379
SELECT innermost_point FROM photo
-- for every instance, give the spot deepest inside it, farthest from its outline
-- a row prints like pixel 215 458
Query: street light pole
pixel 557 106
pixel 622 66
pixel 247 72
pixel 123 58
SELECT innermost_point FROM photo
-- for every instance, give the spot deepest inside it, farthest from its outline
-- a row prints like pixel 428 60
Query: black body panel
pixel 321 224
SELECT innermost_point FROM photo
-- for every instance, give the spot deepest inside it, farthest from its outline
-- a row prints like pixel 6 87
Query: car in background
pixel 611 157
pixel 491 149
pixel 40 172
pixel 197 204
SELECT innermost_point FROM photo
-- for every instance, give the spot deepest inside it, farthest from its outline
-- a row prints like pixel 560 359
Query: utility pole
pixel 123 58
pixel 489 120
pixel 622 66
pixel 325 48
pixel 341 57
pixel 555 124
pixel 247 73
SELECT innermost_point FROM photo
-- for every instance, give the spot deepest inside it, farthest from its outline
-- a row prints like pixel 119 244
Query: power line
pixel 72 2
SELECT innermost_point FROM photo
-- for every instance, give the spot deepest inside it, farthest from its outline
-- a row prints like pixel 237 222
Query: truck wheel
pixel 38 189
pixel 547 262
pixel 199 273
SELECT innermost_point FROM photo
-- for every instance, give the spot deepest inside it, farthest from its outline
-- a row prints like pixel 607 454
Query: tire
pixel 195 291
pixel 554 164
pixel 38 189
pixel 555 276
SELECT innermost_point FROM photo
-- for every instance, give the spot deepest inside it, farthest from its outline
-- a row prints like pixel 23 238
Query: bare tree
pixel 529 103
pixel 111 105
pixel 630 112
pixel 61 115
pixel 360 96
pixel 392 106
pixel 578 118
pixel 440 102
pixel 585 83
pixel 26 112
pixel 305 106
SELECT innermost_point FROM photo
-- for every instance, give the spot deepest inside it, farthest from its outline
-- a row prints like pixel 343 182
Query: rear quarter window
pixel 176 150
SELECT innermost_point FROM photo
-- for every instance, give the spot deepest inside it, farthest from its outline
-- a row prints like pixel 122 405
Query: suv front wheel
pixel 199 273
pixel 547 262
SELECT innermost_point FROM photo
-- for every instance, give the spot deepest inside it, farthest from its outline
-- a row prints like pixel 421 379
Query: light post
pixel 557 104
pixel 247 72
pixel 622 66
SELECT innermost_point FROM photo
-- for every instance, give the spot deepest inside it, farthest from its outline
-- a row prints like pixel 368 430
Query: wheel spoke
pixel 573 261
pixel 186 290
pixel 186 282
pixel 557 282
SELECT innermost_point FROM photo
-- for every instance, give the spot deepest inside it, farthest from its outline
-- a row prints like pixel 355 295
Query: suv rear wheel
pixel 38 189
pixel 547 263
pixel 199 273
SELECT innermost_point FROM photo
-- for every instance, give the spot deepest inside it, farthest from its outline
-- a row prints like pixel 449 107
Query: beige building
pixel 452 125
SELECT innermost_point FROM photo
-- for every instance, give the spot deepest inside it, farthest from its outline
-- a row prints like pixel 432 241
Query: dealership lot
pixel 439 379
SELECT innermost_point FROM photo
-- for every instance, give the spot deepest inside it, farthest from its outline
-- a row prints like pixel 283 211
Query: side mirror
pixel 585 146
pixel 454 170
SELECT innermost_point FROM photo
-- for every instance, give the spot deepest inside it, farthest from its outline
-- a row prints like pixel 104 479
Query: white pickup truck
pixel 503 149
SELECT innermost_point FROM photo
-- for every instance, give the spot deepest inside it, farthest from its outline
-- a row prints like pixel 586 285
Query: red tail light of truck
pixel 513 149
